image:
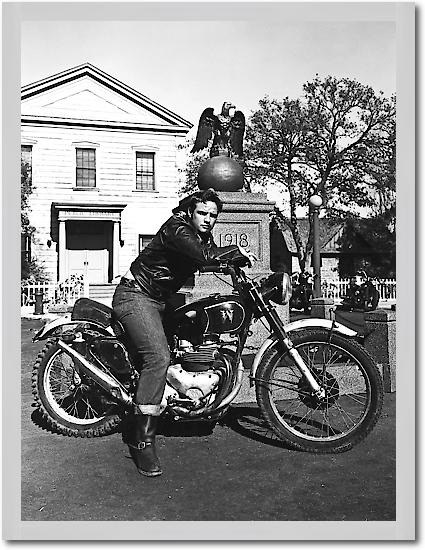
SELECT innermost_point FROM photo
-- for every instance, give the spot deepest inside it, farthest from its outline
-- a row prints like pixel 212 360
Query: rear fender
pixel 299 325
pixel 57 326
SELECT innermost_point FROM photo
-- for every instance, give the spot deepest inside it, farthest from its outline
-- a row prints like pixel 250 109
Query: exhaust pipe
pixel 106 381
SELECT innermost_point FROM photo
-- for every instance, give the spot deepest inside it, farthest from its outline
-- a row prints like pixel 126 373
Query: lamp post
pixel 315 203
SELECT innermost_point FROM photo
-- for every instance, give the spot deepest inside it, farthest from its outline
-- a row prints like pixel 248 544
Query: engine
pixel 197 374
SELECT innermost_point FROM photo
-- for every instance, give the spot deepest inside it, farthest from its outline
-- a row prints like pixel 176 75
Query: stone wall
pixel 380 342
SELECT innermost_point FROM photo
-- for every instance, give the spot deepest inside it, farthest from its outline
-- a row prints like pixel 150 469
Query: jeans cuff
pixel 151 410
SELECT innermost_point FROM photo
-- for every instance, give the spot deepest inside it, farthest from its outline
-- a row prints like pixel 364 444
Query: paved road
pixel 237 472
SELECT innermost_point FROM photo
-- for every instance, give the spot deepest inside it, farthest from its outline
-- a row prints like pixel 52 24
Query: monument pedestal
pixel 244 221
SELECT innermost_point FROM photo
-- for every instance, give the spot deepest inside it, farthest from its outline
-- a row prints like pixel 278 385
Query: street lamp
pixel 315 203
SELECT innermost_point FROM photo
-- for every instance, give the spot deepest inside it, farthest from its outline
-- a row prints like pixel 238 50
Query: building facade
pixel 105 171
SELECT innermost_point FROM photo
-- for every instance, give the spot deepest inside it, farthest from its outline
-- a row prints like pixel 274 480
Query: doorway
pixel 89 249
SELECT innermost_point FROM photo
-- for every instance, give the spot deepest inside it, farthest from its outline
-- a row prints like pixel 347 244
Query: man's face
pixel 204 216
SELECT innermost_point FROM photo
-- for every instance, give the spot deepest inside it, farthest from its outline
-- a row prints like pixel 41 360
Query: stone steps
pixel 102 293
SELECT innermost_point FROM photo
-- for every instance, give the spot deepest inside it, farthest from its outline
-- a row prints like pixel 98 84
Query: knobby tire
pixel 283 425
pixel 54 420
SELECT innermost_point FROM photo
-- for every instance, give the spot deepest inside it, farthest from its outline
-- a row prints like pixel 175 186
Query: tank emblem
pixel 224 317
pixel 227 315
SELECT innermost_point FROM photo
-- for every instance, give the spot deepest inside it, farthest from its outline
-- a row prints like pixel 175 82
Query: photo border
pixel 14 13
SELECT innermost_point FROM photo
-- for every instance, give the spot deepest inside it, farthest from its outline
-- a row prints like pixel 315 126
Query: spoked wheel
pixel 337 420
pixel 70 402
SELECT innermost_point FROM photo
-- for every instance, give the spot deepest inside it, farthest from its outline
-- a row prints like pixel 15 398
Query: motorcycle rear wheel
pixel 70 403
pixel 354 393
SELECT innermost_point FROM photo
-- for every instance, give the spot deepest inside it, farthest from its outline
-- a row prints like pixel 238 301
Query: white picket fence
pixel 69 291
pixel 337 289
pixel 65 292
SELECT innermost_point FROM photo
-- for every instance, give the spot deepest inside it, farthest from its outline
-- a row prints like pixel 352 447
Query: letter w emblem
pixel 227 315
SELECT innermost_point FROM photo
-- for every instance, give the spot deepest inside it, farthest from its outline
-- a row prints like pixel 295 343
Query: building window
pixel 145 171
pixel 144 240
pixel 86 168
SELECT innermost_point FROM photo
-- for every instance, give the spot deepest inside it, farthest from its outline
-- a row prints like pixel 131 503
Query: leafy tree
pixel 193 164
pixel 30 268
pixel 276 138
pixel 383 174
pixel 378 234
pixel 26 190
pixel 337 141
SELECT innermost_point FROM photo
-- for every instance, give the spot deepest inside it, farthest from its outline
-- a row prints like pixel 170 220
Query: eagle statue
pixel 228 132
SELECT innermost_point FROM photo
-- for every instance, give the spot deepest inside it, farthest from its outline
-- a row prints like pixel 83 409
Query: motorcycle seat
pixel 86 309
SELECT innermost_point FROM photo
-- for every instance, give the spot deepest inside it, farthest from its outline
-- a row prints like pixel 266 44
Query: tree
pixel 30 268
pixel 335 142
pixel 383 174
pixel 379 235
pixel 193 164
pixel 276 140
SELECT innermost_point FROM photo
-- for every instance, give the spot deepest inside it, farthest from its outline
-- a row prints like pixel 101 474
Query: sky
pixel 189 65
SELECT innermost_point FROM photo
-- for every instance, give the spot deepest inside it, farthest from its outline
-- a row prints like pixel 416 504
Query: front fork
pixel 318 391
pixel 275 322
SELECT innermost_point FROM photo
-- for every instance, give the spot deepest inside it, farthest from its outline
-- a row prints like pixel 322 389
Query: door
pixel 89 250
pixel 94 261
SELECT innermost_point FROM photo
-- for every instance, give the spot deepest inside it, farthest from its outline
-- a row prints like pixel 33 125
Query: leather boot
pixel 141 445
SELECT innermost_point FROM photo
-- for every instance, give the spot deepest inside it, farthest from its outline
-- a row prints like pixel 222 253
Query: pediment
pixel 86 100
pixel 85 93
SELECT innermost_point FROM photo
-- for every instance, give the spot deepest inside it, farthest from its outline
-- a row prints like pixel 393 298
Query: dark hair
pixel 204 196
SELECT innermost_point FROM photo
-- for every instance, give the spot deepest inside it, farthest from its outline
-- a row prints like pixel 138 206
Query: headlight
pixel 277 288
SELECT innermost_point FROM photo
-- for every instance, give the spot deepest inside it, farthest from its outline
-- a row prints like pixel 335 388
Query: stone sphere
pixel 315 201
pixel 221 173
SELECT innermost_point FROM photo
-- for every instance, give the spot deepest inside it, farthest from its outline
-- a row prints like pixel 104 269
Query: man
pixel 182 245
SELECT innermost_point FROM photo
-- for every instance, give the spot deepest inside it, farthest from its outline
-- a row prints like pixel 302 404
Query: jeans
pixel 142 318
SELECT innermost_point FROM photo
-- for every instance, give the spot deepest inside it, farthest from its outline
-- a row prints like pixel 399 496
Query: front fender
pixel 298 325
pixel 50 328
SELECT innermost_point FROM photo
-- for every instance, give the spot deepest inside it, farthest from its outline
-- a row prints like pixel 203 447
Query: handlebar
pixel 214 269
pixel 226 269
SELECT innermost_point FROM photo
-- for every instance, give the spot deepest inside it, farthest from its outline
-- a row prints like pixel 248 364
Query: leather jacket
pixel 174 254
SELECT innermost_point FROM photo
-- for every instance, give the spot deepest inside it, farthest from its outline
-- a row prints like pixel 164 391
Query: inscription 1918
pixel 240 239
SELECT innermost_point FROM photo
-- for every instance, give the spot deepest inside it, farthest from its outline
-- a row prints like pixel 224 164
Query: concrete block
pixel 380 342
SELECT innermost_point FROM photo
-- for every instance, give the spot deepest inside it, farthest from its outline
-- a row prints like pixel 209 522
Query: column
pixel 116 250
pixel 62 250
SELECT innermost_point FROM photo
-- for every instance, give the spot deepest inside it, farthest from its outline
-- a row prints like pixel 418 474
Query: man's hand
pixel 251 257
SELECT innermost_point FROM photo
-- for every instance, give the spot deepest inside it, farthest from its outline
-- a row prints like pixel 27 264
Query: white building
pixel 105 170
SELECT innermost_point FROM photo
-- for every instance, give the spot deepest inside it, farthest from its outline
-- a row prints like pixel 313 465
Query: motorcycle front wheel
pixel 70 403
pixel 330 424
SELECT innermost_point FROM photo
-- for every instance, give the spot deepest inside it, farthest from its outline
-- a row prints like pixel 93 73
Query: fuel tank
pixel 217 314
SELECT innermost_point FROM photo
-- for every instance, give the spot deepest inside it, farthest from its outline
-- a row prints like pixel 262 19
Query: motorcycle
pixel 302 291
pixel 318 389
pixel 362 294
